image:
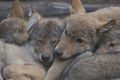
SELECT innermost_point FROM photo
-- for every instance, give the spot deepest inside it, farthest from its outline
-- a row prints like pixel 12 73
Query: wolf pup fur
pixel 104 64
pixel 14 34
pixel 79 36
pixel 44 35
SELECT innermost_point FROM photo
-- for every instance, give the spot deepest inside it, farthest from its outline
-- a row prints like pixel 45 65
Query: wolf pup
pixel 78 37
pixel 104 64
pixel 14 20
pixel 44 35
pixel 14 49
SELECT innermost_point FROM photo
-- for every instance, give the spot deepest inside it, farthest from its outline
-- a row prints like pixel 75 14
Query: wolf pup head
pixel 110 40
pixel 79 35
pixel 14 29
pixel 45 36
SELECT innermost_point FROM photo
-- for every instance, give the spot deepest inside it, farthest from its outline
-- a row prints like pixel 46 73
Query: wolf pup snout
pixel 58 52
pixel 45 57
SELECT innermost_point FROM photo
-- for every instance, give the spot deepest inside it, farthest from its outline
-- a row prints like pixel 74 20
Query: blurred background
pixel 55 8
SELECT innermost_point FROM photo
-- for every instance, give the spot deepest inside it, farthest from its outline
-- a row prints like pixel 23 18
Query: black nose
pixel 58 52
pixel 45 57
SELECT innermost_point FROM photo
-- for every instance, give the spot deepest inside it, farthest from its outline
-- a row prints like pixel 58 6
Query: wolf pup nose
pixel 45 57
pixel 58 52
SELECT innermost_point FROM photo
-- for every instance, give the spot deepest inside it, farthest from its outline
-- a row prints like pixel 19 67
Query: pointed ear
pixel 106 27
pixel 77 6
pixel 32 11
pixel 16 10
pixel 35 17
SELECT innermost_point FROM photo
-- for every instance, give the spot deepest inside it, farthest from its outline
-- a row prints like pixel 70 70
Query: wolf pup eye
pixel 40 41
pixel 112 45
pixel 20 31
pixel 54 41
pixel 79 40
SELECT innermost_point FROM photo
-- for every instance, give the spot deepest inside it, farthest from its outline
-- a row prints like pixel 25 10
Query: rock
pixel 45 8
pixel 52 8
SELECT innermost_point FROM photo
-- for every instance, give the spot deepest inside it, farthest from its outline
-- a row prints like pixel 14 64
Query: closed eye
pixel 79 40
pixel 54 41
pixel 40 41
pixel 112 44
pixel 20 31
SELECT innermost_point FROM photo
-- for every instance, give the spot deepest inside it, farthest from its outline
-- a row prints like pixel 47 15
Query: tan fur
pixel 16 10
pixel 25 72
pixel 55 71
pixel 107 14
pixel 20 56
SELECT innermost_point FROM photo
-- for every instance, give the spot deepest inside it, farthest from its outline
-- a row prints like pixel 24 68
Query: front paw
pixel 23 72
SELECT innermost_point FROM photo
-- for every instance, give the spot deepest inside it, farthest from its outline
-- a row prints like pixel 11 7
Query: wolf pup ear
pixel 32 11
pixel 106 27
pixel 35 17
pixel 77 6
pixel 16 10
